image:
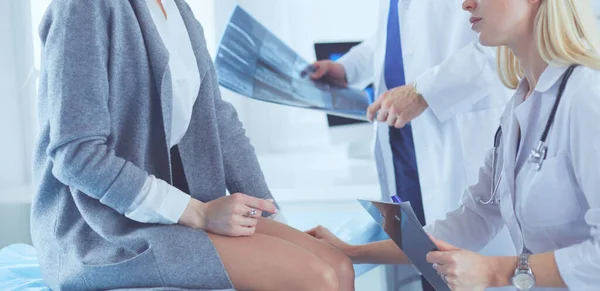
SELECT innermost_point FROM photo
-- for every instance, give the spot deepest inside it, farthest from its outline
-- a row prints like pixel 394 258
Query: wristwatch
pixel 523 278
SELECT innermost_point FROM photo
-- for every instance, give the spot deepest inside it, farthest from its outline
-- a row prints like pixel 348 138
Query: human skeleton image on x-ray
pixel 253 62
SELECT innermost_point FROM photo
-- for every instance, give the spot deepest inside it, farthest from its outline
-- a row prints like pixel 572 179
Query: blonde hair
pixel 566 34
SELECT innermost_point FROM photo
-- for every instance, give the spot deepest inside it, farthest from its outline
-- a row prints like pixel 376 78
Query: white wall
pixel 313 21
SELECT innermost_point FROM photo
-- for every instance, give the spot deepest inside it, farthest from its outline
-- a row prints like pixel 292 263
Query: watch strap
pixel 523 264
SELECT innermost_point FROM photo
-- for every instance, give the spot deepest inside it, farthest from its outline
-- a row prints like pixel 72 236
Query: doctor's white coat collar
pixel 550 77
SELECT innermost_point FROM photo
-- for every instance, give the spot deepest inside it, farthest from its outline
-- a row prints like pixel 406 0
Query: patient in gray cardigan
pixel 135 155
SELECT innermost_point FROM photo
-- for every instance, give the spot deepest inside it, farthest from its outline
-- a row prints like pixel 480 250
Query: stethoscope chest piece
pixel 538 155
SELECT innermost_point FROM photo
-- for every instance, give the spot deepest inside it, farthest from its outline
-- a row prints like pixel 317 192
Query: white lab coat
pixel 556 208
pixel 457 77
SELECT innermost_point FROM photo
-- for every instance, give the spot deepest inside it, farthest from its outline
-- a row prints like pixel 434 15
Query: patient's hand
pixel 323 234
pixel 232 215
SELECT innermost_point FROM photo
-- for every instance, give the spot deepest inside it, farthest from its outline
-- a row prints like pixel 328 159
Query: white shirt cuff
pixel 425 84
pixel 349 68
pixel 174 204
pixel 564 261
pixel 159 202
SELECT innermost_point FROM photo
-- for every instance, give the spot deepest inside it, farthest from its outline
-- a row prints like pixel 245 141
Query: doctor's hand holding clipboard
pixel 410 244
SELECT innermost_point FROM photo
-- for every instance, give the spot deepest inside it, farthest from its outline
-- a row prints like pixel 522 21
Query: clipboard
pixel 399 221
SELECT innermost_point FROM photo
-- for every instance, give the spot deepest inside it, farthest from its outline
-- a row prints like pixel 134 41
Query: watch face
pixel 524 281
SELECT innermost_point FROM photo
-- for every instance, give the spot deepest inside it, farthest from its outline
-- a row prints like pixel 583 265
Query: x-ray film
pixel 253 62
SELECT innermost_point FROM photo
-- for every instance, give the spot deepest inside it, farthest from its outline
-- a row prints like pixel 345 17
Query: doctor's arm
pixel 354 69
pixel 359 62
pixel 461 80
pixel 577 266
pixel 448 89
pixel 471 226
pixel 381 252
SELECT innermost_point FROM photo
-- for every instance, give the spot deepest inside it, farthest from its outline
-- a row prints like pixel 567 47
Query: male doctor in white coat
pixel 439 108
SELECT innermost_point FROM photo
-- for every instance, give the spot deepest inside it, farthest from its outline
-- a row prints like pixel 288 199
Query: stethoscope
pixel 538 154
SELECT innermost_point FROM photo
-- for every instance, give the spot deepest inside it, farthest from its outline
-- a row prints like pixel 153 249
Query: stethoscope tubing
pixel 538 154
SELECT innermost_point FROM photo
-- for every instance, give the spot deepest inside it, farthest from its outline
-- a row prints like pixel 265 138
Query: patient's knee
pixel 341 264
pixel 344 268
pixel 324 278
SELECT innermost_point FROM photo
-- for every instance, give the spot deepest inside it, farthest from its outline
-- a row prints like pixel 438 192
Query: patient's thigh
pixel 326 252
pixel 273 228
pixel 266 263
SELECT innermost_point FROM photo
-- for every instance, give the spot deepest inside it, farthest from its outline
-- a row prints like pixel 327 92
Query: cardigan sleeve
pixel 76 54
pixel 242 170
pixel 243 173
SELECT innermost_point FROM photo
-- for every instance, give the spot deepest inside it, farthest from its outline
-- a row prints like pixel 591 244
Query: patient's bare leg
pixel 331 255
pixel 266 263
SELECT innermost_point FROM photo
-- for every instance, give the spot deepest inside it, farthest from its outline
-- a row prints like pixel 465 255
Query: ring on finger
pixel 253 212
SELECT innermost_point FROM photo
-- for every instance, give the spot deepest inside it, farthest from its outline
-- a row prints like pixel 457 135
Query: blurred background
pixel 316 166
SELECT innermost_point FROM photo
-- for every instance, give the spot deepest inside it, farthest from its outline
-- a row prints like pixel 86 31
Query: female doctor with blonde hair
pixel 543 186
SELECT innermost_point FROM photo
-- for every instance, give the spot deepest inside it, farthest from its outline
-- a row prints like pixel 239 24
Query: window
pixel 17 114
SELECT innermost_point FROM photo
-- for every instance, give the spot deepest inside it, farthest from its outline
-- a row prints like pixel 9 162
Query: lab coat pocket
pixel 476 130
pixel 138 271
pixel 548 199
